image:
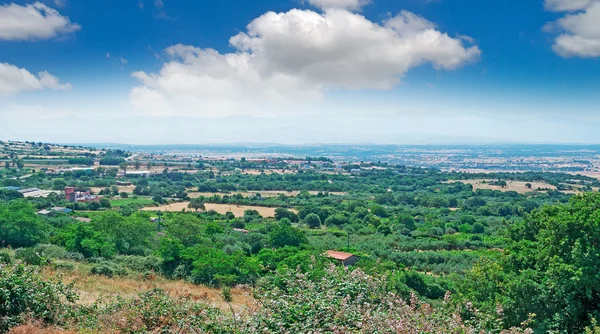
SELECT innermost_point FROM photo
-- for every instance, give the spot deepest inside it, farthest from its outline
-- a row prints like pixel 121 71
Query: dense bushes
pixel 550 268
pixel 20 226
pixel 108 269
pixel 341 301
pixel 23 294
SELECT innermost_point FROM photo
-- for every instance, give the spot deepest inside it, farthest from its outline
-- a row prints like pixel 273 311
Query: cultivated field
pixel 517 186
pixel 263 193
pixel 238 210
pixel 122 189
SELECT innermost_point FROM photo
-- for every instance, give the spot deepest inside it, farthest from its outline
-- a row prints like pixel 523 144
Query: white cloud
pixel 466 38
pixel 568 5
pixel 33 21
pixel 284 59
pixel 346 4
pixel 60 3
pixel 579 31
pixel 14 80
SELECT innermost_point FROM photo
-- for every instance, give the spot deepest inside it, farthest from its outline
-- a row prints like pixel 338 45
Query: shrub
pixel 57 252
pixel 23 293
pixel 138 263
pixel 108 269
pixel 5 258
pixel 31 256
pixel 64 266
pixel 352 302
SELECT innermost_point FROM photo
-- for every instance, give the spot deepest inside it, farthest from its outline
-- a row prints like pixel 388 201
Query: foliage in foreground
pixel 551 268
pixel 23 294
pixel 291 302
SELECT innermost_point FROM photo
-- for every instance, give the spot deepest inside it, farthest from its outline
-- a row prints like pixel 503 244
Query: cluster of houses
pixel 80 196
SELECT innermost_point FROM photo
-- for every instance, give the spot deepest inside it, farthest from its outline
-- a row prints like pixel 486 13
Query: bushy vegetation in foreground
pixel 342 301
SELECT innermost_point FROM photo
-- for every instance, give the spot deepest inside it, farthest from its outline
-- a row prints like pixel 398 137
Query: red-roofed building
pixel 346 259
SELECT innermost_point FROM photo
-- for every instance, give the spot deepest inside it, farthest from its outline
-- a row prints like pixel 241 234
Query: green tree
pixel 281 213
pixel 20 226
pixel 379 211
pixel 284 235
pixel 59 184
pixel 408 221
pixel 312 221
pixel 197 204
pixel 185 228
pixel 337 219
pixel 550 268
pixel 105 203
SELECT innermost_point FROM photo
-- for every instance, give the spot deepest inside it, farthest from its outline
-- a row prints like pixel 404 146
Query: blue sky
pixel 378 71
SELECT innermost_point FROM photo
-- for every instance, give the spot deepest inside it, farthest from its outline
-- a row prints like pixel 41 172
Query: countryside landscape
pixel 131 241
pixel 300 166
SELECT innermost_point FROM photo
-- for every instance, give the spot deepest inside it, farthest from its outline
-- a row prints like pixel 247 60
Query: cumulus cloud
pixel 14 80
pixel 578 31
pixel 568 5
pixel 297 56
pixel 33 21
pixel 346 4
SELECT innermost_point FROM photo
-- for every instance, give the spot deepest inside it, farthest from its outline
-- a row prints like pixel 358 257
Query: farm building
pixel 346 259
pixel 37 192
pixel 40 193
pixel 54 210
pixel 80 196
pixel 60 209
pixel 11 188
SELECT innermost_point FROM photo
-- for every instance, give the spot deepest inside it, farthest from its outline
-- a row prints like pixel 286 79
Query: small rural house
pixel 346 259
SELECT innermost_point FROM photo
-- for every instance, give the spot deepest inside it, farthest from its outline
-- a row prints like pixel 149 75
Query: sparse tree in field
pixel 149 165
pixel 123 166
pixel 528 185
pixel 7 165
pixel 197 204
pixel 137 164
pixel 20 164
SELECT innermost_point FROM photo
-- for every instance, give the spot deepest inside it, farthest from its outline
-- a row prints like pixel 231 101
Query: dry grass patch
pixel 238 210
pixel 125 189
pixel 518 186
pixel 92 288
pixel 263 193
